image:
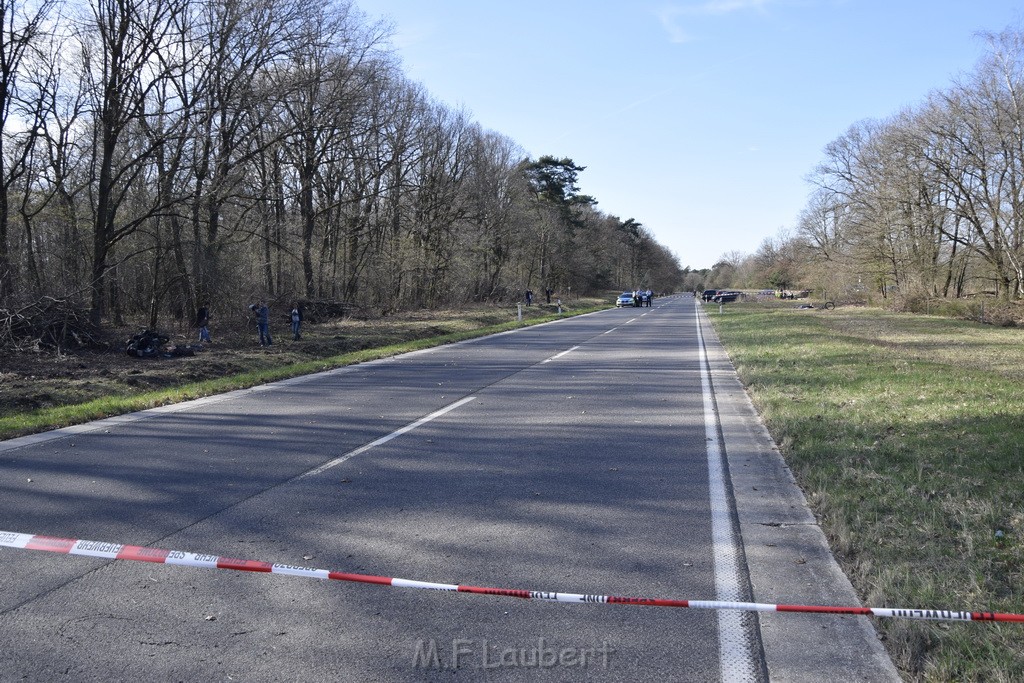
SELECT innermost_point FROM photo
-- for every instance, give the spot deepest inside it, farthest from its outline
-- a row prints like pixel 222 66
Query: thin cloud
pixel 719 7
pixel 668 18
pixel 669 15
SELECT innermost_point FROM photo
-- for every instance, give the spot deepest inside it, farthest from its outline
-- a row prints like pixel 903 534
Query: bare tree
pixel 123 42
pixel 927 192
pixel 495 194
pixel 195 149
pixel 332 68
pixel 21 29
pixel 436 197
pixel 242 53
pixel 978 134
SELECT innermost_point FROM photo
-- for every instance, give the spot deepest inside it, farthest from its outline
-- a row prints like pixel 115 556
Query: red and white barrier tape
pixel 117 551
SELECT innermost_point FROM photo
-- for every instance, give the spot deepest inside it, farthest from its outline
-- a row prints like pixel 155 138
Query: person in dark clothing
pixel 203 323
pixel 296 322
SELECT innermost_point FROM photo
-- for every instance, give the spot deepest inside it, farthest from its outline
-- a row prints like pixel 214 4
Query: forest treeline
pixel 158 154
pixel 927 204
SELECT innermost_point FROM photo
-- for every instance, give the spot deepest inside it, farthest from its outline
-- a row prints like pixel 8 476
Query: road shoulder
pixel 787 553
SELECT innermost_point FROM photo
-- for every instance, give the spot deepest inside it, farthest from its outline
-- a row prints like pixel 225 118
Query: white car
pixel 625 299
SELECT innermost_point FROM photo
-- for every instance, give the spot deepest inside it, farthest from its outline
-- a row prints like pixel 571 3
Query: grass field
pixel 907 435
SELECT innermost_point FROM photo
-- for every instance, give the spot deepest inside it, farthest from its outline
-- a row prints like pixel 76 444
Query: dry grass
pixel 907 434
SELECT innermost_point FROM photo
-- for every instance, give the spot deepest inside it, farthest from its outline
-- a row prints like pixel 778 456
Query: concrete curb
pixel 787 553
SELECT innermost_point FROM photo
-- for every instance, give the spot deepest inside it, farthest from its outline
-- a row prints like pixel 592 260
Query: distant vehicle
pixel 709 294
pixel 724 297
pixel 625 299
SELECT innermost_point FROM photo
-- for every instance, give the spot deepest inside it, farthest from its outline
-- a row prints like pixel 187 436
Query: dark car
pixel 724 297
pixel 709 294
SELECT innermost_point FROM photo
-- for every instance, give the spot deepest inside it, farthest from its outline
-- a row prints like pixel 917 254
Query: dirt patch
pixel 30 380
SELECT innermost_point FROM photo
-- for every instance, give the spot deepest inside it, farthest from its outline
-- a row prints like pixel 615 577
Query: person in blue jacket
pixel 262 314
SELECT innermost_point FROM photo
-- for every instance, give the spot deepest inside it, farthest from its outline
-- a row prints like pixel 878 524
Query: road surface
pixel 608 454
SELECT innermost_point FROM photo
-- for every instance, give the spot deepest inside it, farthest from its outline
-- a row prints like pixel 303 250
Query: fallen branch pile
pixel 46 325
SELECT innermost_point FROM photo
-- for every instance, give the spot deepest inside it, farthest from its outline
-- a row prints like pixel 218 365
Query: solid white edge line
pixel 736 660
pixel 384 439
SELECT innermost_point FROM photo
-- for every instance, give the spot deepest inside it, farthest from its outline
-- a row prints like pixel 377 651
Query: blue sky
pixel 700 119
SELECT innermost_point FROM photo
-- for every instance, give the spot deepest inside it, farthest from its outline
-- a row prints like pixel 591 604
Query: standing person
pixel 203 323
pixel 262 314
pixel 529 297
pixel 296 321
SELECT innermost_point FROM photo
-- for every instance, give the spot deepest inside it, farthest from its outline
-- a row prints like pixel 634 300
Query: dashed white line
pixel 557 356
pixel 384 439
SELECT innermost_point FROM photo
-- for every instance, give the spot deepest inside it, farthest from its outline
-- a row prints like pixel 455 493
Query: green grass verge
pixel 907 434
pixel 65 415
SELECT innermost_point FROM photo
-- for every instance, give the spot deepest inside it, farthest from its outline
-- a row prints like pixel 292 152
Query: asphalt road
pixel 569 457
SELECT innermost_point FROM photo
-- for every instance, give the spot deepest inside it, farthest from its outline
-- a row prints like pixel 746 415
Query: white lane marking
pixel 736 661
pixel 557 356
pixel 384 439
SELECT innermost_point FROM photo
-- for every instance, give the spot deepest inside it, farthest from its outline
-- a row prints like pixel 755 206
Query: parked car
pixel 625 299
pixel 709 294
